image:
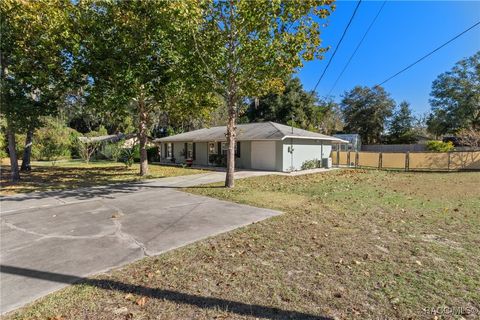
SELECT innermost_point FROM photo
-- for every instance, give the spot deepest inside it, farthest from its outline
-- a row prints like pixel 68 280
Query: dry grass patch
pixel 350 244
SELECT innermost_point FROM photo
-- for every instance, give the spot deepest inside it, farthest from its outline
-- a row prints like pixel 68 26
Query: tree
pixel 134 54
pixel 470 138
pixel 401 125
pixel 456 98
pixel 331 121
pixel 246 50
pixel 365 112
pixel 34 59
pixel 308 110
pixel 90 143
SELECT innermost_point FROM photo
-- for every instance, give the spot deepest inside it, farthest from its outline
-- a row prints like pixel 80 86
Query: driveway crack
pixel 129 238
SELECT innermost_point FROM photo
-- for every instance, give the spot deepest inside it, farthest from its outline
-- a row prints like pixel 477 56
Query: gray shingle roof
pixel 249 131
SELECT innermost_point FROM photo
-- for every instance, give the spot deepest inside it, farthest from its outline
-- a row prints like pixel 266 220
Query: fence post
pixel 407 160
pixel 356 159
pixel 338 158
pixel 380 160
pixel 348 159
pixel 448 166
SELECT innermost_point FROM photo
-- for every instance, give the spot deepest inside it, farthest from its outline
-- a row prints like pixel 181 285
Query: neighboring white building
pixel 262 146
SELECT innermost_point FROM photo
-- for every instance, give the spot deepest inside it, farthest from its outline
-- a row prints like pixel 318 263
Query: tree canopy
pixel 456 98
pixel 366 111
pixel 307 110
pixel 401 126
pixel 136 59
pixel 35 63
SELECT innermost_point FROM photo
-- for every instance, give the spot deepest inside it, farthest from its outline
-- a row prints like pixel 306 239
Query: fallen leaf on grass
pixel 120 310
pixel 141 302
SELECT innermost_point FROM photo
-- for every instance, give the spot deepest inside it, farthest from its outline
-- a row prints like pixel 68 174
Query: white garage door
pixel 263 155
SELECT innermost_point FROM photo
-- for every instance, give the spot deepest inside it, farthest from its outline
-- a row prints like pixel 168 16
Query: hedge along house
pixel 262 146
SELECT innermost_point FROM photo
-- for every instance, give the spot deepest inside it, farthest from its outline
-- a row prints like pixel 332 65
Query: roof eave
pixel 335 140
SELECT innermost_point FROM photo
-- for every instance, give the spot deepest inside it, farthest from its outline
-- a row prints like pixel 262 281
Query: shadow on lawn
pixel 44 178
pixel 239 308
pixel 102 187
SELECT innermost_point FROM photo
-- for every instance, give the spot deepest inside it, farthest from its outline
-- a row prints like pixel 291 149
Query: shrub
pixel 311 164
pixel 136 153
pixel 220 160
pixel 440 146
pixel 20 145
pixel 73 139
pixel 3 146
pixel 152 154
pixel 127 157
pixel 114 150
pixel 53 141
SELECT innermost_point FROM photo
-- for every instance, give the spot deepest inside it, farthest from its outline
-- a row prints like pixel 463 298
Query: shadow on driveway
pixel 239 308
pixel 106 191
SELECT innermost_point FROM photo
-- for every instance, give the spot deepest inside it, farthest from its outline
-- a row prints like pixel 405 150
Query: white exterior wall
pixel 263 155
pixel 303 150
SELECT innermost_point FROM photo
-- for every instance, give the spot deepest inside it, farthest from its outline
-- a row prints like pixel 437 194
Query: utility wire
pixel 358 46
pixel 338 45
pixel 428 54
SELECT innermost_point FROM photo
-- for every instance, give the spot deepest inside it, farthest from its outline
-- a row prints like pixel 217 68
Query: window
pixel 237 148
pixel 212 148
pixel 189 150
pixel 224 148
pixel 169 152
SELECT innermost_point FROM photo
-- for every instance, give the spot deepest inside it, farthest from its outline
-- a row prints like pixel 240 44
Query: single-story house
pixel 262 146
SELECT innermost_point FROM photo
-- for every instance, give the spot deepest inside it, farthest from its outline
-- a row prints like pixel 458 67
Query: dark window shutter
pixel 186 150
pixel 237 153
pixel 173 152
pixel 166 147
pixel 219 148
pixel 194 151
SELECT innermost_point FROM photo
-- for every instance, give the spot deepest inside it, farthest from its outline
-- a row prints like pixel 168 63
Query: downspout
pixel 291 154
pixel 321 153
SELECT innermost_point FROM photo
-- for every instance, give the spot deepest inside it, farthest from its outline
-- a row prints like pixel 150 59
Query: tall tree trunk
pixel 230 179
pixel 231 99
pixel 13 155
pixel 27 151
pixel 142 136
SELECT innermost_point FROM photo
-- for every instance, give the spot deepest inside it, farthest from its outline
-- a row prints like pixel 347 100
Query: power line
pixel 358 46
pixel 338 45
pixel 429 54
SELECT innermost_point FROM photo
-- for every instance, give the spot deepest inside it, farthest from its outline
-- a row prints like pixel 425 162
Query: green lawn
pixel 73 174
pixel 350 244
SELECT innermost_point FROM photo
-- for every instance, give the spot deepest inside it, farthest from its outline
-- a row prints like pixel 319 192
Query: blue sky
pixel 404 32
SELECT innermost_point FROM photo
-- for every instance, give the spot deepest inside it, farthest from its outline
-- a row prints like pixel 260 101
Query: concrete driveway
pixel 91 230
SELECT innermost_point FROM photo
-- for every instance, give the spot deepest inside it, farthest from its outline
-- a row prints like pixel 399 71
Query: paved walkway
pixel 49 235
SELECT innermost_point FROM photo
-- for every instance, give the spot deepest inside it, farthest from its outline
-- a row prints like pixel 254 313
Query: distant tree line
pixel 375 116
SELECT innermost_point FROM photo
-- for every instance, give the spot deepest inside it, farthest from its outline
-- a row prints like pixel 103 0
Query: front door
pixel 212 149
